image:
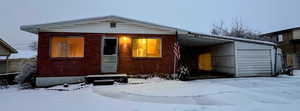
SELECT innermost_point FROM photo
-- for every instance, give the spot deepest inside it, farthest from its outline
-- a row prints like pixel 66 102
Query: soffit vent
pixel 113 24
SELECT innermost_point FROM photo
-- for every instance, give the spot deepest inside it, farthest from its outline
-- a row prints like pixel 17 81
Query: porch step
pixel 122 78
pixel 103 82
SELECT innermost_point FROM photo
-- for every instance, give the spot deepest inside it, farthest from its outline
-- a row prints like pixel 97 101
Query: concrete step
pixel 122 78
pixel 103 82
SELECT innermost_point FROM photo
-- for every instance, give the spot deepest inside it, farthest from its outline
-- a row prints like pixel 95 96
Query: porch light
pixel 124 40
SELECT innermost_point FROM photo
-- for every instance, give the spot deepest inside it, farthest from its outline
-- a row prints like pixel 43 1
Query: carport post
pixel 174 67
pixel 7 64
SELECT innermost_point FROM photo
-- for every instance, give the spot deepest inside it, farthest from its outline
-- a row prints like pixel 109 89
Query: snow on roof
pixel 112 18
pixel 281 30
pixel 6 45
pixel 237 39
pixel 36 28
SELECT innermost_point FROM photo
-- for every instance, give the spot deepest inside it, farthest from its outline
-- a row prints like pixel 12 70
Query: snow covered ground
pixel 247 94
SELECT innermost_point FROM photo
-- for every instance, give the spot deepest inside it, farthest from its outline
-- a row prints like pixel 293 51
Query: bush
pixel 26 78
pixel 183 73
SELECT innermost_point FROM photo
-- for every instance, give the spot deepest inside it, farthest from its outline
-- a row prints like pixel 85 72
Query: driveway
pixel 231 91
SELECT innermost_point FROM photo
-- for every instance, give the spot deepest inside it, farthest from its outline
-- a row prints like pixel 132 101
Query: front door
pixel 109 50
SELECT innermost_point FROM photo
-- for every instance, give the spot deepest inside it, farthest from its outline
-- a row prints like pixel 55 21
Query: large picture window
pixel 67 47
pixel 146 47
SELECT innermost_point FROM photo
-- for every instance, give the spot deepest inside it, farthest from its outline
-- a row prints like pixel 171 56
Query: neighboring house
pixel 289 41
pixel 5 51
pixel 70 50
pixel 6 75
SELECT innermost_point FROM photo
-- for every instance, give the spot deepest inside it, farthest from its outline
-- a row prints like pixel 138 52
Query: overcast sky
pixel 193 15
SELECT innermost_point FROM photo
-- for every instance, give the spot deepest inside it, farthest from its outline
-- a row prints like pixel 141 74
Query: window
pixel 205 62
pixel 109 46
pixel 67 47
pixel 146 47
pixel 280 38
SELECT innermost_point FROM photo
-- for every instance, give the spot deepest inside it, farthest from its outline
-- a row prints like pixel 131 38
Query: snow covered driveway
pixel 247 94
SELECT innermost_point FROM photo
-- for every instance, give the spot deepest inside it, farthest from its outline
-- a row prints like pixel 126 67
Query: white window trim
pixel 280 38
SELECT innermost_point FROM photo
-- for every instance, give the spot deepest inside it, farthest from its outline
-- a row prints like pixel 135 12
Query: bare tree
pixel 237 29
pixel 219 29
pixel 34 45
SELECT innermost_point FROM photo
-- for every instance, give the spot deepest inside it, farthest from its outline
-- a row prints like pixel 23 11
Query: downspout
pixel 275 62
pixel 176 34
pixel 294 55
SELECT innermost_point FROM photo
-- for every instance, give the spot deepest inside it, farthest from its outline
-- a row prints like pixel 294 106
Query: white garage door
pixel 254 62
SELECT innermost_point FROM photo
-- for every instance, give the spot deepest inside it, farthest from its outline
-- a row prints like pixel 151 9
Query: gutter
pixel 236 39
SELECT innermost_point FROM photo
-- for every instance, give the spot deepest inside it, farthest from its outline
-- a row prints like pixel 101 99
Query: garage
pixel 253 62
pixel 221 56
pixel 254 59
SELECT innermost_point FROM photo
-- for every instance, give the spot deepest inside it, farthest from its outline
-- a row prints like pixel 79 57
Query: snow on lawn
pixel 247 94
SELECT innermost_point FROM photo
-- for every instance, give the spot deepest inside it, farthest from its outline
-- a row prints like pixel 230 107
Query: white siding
pixel 254 59
pixel 223 58
pixel 104 27
pixel 296 34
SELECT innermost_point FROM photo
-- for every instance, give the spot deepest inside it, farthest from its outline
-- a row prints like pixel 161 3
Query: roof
pixel 283 30
pixel 7 46
pixel 112 18
pixel 36 28
pixel 234 38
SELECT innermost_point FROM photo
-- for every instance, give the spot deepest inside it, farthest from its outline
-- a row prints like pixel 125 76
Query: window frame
pixel 160 50
pixel 50 47
pixel 280 37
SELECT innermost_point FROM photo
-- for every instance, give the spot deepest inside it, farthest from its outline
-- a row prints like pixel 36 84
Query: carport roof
pixel 230 38
pixel 199 41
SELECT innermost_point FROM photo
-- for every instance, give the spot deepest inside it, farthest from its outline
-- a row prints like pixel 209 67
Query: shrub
pixel 26 78
pixel 183 73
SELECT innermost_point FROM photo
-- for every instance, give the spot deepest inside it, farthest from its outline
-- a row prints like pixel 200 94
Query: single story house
pixel 6 75
pixel 70 50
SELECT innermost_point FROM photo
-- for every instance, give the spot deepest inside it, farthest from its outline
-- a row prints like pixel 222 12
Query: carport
pixel 208 56
pixel 221 56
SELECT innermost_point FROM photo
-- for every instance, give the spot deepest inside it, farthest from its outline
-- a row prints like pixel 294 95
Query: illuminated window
pixel 67 47
pixel 146 47
pixel 205 62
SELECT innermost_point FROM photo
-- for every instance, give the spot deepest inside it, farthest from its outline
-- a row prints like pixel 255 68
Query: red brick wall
pixel 128 64
pixel 91 62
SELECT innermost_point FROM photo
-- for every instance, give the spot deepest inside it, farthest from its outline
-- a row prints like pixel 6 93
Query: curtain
pixel 67 47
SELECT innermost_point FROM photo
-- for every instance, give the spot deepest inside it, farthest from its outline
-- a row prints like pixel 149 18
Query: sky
pixel 194 15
